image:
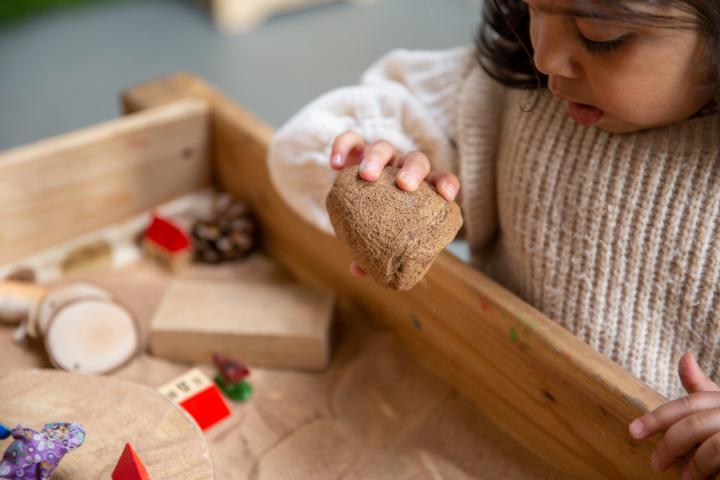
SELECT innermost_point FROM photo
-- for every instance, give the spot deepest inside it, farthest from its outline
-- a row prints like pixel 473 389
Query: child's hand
pixel 349 149
pixel 692 423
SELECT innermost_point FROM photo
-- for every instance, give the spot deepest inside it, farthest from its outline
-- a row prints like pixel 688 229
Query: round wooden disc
pixel 91 336
pixel 59 296
pixel 113 413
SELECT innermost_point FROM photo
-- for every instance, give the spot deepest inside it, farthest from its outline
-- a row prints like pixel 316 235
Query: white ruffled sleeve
pixel 406 98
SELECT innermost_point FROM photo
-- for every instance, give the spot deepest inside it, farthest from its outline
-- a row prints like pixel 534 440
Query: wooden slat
pixel 75 183
pixel 553 393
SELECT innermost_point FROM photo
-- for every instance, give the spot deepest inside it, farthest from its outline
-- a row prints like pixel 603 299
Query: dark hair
pixel 503 40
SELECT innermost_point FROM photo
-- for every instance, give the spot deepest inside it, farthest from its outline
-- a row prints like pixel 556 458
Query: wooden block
pixel 19 300
pixel 196 393
pixel 271 325
pixel 96 255
pixel 129 466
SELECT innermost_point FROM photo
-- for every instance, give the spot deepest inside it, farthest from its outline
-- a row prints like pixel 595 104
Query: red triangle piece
pixel 129 466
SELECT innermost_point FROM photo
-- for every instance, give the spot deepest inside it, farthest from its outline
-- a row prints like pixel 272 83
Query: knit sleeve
pixel 479 126
pixel 406 98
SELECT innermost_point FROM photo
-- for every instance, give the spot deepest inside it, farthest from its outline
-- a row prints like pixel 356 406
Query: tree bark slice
pixel 91 335
pixel 113 412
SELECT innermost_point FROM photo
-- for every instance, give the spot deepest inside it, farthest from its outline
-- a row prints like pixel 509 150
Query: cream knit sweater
pixel 616 237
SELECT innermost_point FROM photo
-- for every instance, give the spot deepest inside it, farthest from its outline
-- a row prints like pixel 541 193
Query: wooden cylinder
pixel 19 300
pixel 83 328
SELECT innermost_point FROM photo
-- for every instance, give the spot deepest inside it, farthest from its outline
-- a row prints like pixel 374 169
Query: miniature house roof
pixel 167 235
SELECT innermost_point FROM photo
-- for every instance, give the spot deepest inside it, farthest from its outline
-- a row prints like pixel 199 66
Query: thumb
pixel 692 377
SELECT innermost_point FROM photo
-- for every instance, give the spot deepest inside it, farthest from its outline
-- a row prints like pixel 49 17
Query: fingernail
pixel 450 191
pixel 409 178
pixel 369 166
pixel 336 160
pixel 637 428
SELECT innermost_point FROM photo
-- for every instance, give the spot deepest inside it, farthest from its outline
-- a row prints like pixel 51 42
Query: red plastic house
pixel 167 241
pixel 129 466
pixel 199 396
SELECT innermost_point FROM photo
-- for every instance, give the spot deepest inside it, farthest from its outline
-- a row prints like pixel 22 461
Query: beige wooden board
pixel 69 185
pixel 269 325
pixel 554 394
pixel 113 412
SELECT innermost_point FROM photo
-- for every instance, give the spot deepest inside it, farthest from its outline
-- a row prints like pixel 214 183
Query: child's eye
pixel 605 46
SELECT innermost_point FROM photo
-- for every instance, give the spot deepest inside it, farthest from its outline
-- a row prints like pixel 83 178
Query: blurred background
pixel 62 66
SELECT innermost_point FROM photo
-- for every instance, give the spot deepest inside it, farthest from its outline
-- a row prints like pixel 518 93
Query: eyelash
pixel 599 48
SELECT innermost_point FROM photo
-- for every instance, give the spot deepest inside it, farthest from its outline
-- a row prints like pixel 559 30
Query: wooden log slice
pixel 113 413
pixel 56 298
pixel 19 300
pixel 91 335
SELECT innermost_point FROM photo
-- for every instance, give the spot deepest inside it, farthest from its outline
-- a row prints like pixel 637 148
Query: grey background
pixel 62 70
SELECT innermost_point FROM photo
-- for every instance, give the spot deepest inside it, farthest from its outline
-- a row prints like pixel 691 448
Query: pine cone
pixel 228 235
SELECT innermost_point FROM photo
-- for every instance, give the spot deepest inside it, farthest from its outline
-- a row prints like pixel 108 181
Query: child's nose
pixel 554 44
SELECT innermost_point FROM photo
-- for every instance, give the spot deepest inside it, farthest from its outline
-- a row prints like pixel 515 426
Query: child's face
pixel 619 76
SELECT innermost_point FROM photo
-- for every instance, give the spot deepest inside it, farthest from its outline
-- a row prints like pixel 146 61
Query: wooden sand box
pixel 374 413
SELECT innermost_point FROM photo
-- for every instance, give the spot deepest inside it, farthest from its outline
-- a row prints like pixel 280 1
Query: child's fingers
pixel 356 271
pixel 692 376
pixel 376 157
pixel 346 150
pixel 684 435
pixel 414 170
pixel 706 460
pixel 445 183
pixel 672 412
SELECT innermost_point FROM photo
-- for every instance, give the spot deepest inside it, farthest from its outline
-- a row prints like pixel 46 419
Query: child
pixel 586 141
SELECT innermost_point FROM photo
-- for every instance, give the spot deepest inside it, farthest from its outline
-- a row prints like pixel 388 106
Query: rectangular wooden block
pixel 272 325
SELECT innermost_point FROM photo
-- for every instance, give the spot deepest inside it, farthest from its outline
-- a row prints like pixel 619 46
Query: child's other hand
pixel 691 423
pixel 349 149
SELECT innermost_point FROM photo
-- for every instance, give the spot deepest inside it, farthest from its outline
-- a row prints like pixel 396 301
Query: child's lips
pixel 583 114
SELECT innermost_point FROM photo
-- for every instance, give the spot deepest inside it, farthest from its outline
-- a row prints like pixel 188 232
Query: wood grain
pixel 113 412
pixel 72 184
pixel 554 394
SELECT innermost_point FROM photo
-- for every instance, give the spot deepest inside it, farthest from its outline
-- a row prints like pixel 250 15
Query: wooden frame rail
pixel 63 187
pixel 554 394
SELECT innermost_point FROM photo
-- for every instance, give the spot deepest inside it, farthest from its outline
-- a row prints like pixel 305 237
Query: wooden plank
pixel 283 326
pixel 553 393
pixel 112 412
pixel 75 183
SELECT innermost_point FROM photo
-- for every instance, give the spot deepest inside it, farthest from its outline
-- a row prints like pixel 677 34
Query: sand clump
pixel 394 235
